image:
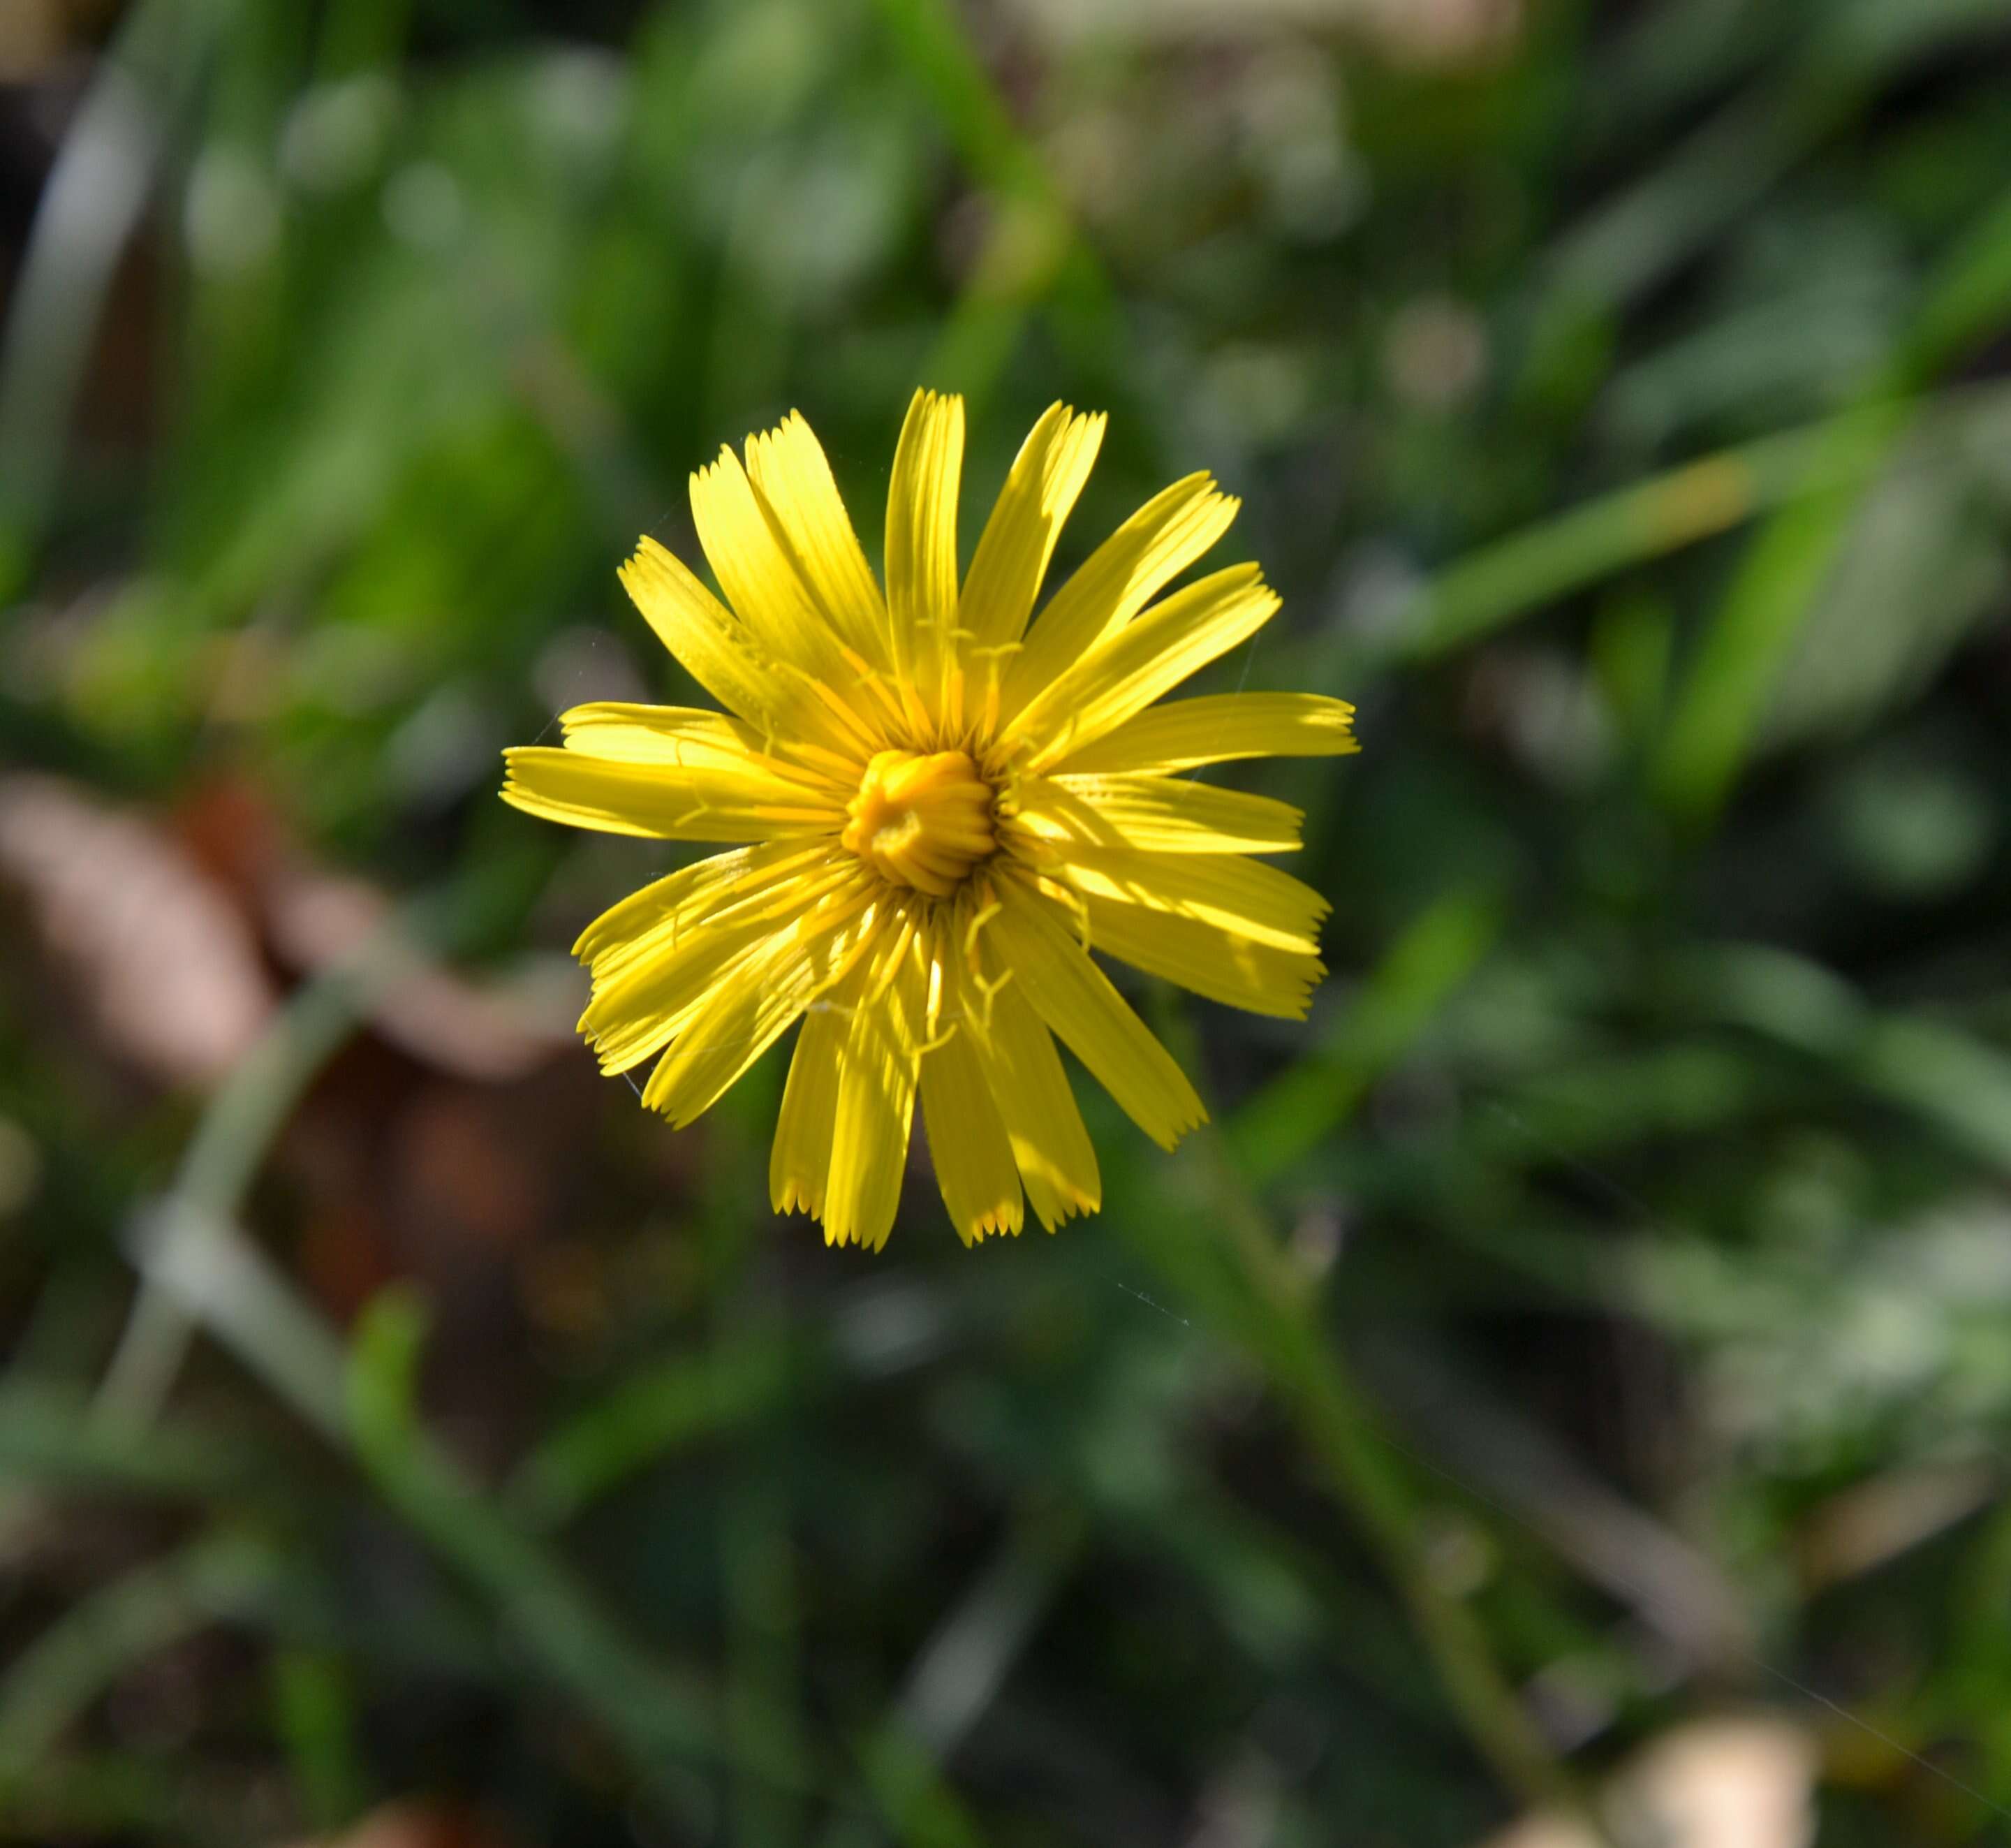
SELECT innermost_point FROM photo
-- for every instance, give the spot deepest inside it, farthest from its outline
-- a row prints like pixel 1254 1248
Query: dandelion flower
pixel 944 802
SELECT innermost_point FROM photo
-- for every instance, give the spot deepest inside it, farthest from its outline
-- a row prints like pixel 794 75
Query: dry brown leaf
pixel 1735 1782
pixel 316 922
pixel 1866 1525
pixel 414 1825
pixel 31 37
pixel 162 967
pixel 1431 32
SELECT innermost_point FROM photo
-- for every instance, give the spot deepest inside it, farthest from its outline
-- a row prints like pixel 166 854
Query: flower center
pixel 923 821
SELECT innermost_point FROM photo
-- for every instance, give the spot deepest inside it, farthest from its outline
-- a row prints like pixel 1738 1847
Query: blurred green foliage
pixel 1596 1316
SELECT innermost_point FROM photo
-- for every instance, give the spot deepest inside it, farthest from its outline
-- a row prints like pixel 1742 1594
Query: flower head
pixel 947 804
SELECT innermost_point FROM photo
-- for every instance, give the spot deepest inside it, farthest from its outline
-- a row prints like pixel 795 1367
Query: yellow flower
pixel 949 803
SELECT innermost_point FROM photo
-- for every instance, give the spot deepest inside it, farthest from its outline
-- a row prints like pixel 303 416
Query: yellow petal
pixel 636 1012
pixel 1050 1147
pixel 665 801
pixel 775 696
pixel 1019 539
pixel 1212 962
pixel 1244 896
pixel 1220 726
pixel 1074 997
pixel 635 1018
pixel 713 649
pixel 921 541
pixel 1127 671
pixel 638 734
pixel 650 918
pixel 759 574
pixel 1118 579
pixel 657 733
pixel 788 468
pixel 1157 814
pixel 753 1004
pixel 967 1141
pixel 877 1072
pixel 800 1164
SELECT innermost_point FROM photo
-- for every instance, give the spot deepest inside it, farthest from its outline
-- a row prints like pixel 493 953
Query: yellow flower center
pixel 923 821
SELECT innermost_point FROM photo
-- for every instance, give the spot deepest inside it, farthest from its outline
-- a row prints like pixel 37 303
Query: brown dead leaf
pixel 314 920
pixel 317 922
pixel 31 38
pixel 162 967
pixel 1747 1781
pixel 1866 1525
pixel 417 1824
